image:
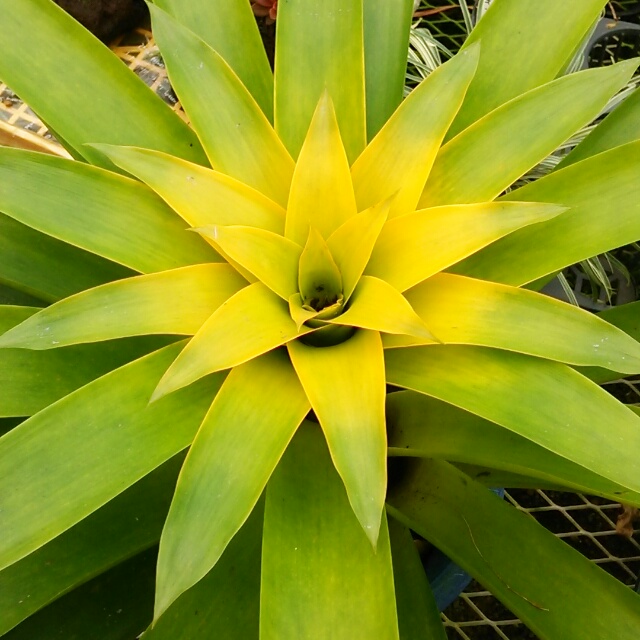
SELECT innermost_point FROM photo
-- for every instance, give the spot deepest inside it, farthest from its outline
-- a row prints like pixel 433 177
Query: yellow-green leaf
pixel 229 27
pixel 320 50
pixel 386 42
pixel 199 195
pixel 236 135
pixel 117 107
pixel 346 387
pixel 119 219
pixel 268 256
pixel 490 155
pixel 415 246
pixel 463 310
pixel 543 401
pixel 509 66
pixel 92 445
pixel 421 426
pixel 255 314
pixel 398 160
pixel 378 306
pixel 318 568
pixel 604 195
pixel 239 444
pixel 352 243
pixel 173 302
pixel 321 191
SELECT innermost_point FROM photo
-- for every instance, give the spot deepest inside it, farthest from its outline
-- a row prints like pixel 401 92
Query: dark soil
pixel 106 19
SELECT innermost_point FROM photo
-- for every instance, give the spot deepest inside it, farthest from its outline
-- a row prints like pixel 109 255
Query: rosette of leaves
pixel 219 331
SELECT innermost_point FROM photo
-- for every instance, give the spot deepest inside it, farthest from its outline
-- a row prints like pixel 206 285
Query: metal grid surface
pixel 444 21
pixel 587 524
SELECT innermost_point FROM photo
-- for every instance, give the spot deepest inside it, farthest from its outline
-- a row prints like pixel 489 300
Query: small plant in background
pixel 313 276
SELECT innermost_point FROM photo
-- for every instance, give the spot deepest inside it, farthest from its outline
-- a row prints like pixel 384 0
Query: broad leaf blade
pixel 415 246
pixel 518 135
pixel 227 600
pixel 124 527
pixel 216 345
pixel 511 66
pixel 268 256
pixel 345 385
pixel 321 191
pixel 169 302
pixel 111 104
pixel 236 135
pixel 524 565
pixel 620 127
pixel 310 586
pixel 186 187
pixel 420 426
pixel 378 306
pixel 320 48
pixel 224 26
pixel 119 219
pixel 604 195
pixel 467 311
pixel 93 444
pixel 398 160
pixel 352 243
pixel 47 268
pixel 386 42
pixel 545 402
pixel 253 417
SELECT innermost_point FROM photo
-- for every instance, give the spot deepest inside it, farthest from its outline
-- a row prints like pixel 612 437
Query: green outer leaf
pixel 169 302
pixel 413 247
pixel 352 243
pixel 510 66
pixel 543 401
pixel 226 602
pixel 418 615
pixel 604 195
pixel 216 345
pixel 420 426
pixel 119 219
pixel 32 380
pixel 201 196
pixel 524 565
pixel 47 268
pixel 253 418
pixel 91 445
pixel 229 28
pixel 235 133
pixel 346 387
pixel 619 127
pixel 321 579
pixel 466 311
pixel 398 160
pixel 116 605
pixel 127 525
pixel 386 42
pixel 320 47
pixel 321 190
pixel 268 256
pixel 378 306
pixel 518 135
pixel 68 66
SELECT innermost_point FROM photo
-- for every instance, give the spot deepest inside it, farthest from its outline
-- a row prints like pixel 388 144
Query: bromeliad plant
pixel 259 287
